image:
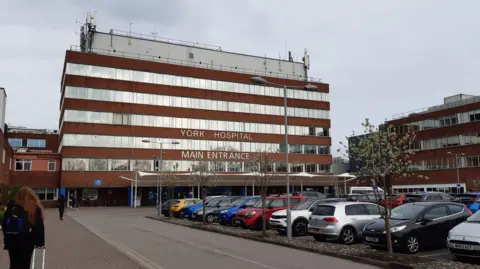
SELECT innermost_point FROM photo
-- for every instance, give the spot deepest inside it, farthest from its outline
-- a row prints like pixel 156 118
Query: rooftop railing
pixel 161 59
pixel 437 108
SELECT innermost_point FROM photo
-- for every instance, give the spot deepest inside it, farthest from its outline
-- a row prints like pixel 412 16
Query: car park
pixel 416 225
pixel 224 215
pixel 342 221
pixel 252 217
pixel 470 199
pixel 300 214
pixel 463 240
pixel 188 211
pixel 222 203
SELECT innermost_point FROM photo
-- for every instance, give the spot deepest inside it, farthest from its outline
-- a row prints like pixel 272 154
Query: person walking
pixel 23 228
pixel 61 206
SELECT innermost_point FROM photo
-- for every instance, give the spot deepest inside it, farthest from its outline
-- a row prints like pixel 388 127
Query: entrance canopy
pixel 241 179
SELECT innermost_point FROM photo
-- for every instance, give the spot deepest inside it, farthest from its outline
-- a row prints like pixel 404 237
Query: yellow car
pixel 178 205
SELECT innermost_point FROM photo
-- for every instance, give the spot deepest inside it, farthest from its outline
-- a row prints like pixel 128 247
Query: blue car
pixel 470 199
pixel 188 211
pixel 224 214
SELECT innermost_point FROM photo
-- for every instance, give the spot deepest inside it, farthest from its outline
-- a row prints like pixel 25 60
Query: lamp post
pixel 456 164
pixel 160 166
pixel 308 87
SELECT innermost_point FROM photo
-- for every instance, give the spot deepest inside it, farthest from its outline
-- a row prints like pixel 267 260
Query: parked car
pixel 403 198
pixel 221 203
pixel 188 211
pixel 463 240
pixel 178 204
pixel 311 194
pixel 343 221
pixel 370 198
pixel 224 215
pixel 417 225
pixel 252 217
pixel 299 216
pixel 470 199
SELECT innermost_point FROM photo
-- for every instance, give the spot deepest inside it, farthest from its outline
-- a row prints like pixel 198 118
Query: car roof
pixel 433 203
pixel 284 196
pixel 345 203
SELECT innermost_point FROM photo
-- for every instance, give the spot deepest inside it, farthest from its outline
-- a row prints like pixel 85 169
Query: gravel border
pixel 356 253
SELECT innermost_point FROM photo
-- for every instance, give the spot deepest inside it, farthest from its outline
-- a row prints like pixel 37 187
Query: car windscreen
pixel 238 201
pixel 305 204
pixel 258 204
pixel 227 201
pixel 214 202
pixel 467 196
pixel 324 210
pixel 407 211
pixel 413 197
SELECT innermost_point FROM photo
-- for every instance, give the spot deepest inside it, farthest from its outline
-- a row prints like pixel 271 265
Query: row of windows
pixel 464 117
pixel 46 194
pixel 193 103
pixel 451 141
pixel 186 123
pixel 85 164
pixel 31 143
pixel 107 141
pixel 445 163
pixel 190 82
pixel 26 165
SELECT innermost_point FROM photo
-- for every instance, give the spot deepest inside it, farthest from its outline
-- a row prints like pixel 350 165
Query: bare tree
pixel 261 166
pixel 384 153
pixel 205 177
pixel 169 181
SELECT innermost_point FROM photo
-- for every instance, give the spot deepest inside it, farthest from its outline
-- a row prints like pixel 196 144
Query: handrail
pixel 437 108
pixel 161 59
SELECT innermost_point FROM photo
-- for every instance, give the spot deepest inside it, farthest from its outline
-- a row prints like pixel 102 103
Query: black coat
pixel 35 239
pixel 61 203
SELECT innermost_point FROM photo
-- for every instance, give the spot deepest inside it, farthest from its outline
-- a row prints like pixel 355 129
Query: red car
pixel 252 217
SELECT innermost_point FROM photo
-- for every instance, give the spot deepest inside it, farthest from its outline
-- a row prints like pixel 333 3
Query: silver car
pixel 464 239
pixel 343 221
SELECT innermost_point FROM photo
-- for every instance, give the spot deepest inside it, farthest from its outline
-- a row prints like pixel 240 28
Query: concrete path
pixel 158 245
pixel 71 246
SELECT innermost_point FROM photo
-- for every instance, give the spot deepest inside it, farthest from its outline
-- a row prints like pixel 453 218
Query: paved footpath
pixel 71 246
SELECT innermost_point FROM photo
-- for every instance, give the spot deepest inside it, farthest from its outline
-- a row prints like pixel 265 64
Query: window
pixel 324 210
pixel 98 165
pixel 89 194
pixel 436 212
pixel 46 194
pixel 455 209
pixel 120 165
pixel 355 210
pixel 52 165
pixel 23 165
pixel 142 165
pixel 36 143
pixel 275 203
pixel 374 209
pixel 15 142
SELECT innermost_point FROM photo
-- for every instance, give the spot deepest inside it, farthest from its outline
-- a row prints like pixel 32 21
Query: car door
pixel 456 215
pixel 375 212
pixel 432 225
pixel 357 215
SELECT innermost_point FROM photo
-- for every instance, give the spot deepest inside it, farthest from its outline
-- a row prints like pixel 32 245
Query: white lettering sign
pixel 215 155
pixel 217 135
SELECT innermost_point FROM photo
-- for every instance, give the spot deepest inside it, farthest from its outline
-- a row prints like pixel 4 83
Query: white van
pixel 365 190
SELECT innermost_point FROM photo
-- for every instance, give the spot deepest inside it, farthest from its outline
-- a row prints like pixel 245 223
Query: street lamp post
pixel 456 164
pixel 262 81
pixel 159 172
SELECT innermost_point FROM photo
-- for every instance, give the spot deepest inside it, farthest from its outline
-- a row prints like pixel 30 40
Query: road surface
pixel 158 245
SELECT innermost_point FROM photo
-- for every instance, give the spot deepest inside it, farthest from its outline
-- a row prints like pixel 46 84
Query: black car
pixel 416 225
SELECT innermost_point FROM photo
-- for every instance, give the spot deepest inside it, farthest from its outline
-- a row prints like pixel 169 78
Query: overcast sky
pixel 380 57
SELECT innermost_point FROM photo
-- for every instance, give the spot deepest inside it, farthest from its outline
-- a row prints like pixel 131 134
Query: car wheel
pixel 319 238
pixel 347 236
pixel 412 245
pixel 299 228
pixel 209 218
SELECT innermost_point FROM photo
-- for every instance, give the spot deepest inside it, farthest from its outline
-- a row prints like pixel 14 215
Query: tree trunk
pixel 264 217
pixel 204 219
pixel 387 218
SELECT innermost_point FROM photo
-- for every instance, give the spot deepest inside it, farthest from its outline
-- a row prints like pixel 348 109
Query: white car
pixel 299 216
pixel 463 240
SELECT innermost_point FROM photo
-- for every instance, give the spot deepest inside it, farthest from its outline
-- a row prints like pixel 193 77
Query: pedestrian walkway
pixel 71 246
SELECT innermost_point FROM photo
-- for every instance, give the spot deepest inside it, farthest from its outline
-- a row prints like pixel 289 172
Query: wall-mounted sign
pixel 98 182
pixel 215 155
pixel 217 135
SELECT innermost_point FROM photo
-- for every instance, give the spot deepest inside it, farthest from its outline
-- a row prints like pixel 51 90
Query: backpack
pixel 17 224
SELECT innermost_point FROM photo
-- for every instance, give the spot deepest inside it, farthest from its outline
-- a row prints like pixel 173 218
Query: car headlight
pixel 200 213
pixel 223 211
pixel 397 228
pixel 249 214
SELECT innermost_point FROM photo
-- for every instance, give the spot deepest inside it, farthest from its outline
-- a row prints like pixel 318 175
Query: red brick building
pixel 119 89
